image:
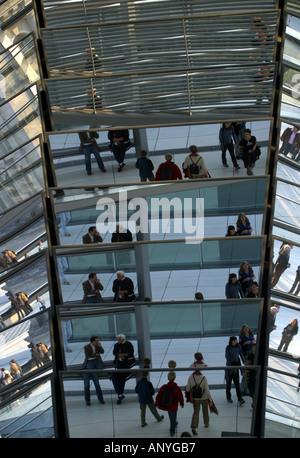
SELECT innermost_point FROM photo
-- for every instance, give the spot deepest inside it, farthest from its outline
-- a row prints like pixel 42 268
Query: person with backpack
pixel 145 167
pixel 199 395
pixel 145 391
pixel 167 399
pixel 227 137
pixel 168 170
pixel 194 165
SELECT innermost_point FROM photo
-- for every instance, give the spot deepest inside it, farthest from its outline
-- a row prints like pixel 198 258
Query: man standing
pixel 119 144
pixel 124 358
pixel 92 236
pixel 281 265
pixel 92 360
pixel 91 290
pixel 250 151
pixel 88 145
pixel 123 288
pixel 290 141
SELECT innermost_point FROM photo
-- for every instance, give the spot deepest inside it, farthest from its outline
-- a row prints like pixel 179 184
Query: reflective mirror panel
pixel 76 163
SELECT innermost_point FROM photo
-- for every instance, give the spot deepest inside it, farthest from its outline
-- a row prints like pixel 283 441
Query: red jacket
pixel 177 397
pixel 176 173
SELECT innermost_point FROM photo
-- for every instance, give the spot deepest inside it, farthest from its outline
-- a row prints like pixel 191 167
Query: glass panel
pixel 19 120
pixel 18 68
pixel 32 281
pixel 282 402
pixel 290 141
pixel 29 415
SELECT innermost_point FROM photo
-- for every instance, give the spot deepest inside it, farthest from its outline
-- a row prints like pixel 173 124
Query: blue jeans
pixel 172 417
pixel 92 300
pixel 93 364
pixel 87 150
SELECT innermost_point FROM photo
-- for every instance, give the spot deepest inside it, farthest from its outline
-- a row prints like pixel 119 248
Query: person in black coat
pixel 288 334
pixel 281 265
pixel 121 235
pixel 119 144
pixel 123 288
pixel 124 358
pixel 145 391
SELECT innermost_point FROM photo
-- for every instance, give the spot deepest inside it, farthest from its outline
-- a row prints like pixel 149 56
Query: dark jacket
pixel 126 284
pixel 87 290
pixel 87 239
pixel 124 347
pixel 283 259
pixel 145 390
pixel 121 236
pixel 83 136
pixel 145 167
pixel 89 353
pixel 233 290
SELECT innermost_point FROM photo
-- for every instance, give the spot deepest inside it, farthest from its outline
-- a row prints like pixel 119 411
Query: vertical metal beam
pixel 258 426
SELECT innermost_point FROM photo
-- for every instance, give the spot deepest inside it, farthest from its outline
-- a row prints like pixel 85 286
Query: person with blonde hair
pixel 168 170
pixel 168 397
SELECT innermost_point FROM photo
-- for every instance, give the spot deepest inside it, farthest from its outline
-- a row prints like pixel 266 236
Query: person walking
pixel 145 391
pixel 198 388
pixel 233 356
pixel 167 398
pixel 288 334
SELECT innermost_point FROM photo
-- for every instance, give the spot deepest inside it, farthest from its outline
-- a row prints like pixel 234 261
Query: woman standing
pixel 246 276
pixel 227 137
pixel 233 289
pixel 246 339
pixel 288 334
pixel 198 398
pixel 234 357
pixel 243 226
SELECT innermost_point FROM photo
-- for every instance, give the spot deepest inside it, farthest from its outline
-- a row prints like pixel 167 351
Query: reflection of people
pixel 145 167
pixel 281 265
pixel 246 276
pixel 62 265
pixel 176 397
pixel 119 144
pixel 243 225
pixel 66 327
pixel 121 234
pixel 249 149
pixel 124 358
pixel 123 288
pixel 290 141
pixel 227 137
pixel 288 334
pixel 198 400
pixel 92 236
pixel 145 391
pixel 88 146
pixel 93 63
pixel 246 339
pixel 231 232
pixel 272 318
pixel 168 170
pixel 92 360
pixel 233 288
pixel 233 356
pixel 194 165
pixel 91 290
pixel 65 218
